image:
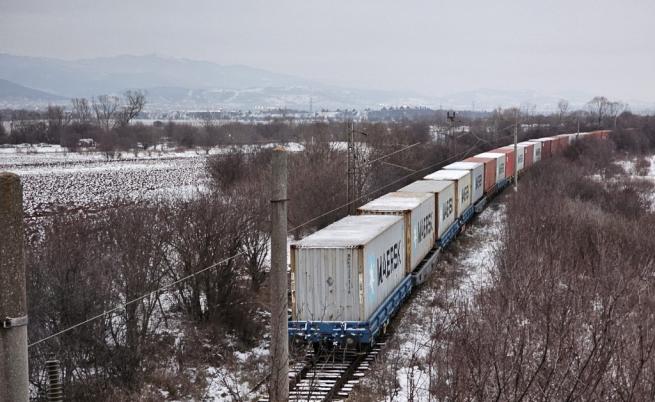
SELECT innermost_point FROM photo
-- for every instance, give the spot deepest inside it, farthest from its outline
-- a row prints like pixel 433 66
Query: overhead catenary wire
pixel 227 259
pixel 384 187
pixel 391 154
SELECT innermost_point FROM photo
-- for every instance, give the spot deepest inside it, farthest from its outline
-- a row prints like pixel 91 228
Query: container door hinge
pixel 9 322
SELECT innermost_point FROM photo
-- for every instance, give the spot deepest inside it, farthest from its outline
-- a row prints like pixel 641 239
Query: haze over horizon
pixel 433 48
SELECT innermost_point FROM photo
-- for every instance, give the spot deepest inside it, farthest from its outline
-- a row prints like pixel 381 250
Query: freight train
pixel 349 278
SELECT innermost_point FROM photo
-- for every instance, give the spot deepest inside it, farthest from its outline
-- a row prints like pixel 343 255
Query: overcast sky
pixel 433 47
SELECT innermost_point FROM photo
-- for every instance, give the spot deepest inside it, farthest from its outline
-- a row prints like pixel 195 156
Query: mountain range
pixel 181 84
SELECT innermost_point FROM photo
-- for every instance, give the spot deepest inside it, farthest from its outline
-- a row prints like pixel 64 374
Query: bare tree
pixel 135 101
pixel 81 110
pixel 105 107
pixel 598 108
pixel 614 110
pixel 563 107
pixel 57 120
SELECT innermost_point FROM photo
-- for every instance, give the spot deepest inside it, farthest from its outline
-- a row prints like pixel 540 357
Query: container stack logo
pixel 389 261
pixel 424 228
pixel 447 209
pixel 466 191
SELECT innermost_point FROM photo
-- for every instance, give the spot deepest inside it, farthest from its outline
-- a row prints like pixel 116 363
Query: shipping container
pixel 537 150
pixel 600 134
pixel 462 180
pixel 521 155
pixel 418 211
pixel 563 142
pixel 345 271
pixel 528 155
pixel 500 163
pixel 489 171
pixel 444 200
pixel 477 176
pixel 546 147
pixel 509 160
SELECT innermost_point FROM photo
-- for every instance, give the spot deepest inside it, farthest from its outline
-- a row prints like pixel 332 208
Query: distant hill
pixel 11 92
pixel 172 82
pixel 182 84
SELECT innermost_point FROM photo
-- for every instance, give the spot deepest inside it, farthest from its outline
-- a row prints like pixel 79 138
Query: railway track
pixel 330 375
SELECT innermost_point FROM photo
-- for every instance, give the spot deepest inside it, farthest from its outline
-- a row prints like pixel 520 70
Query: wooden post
pixel 279 380
pixel 13 300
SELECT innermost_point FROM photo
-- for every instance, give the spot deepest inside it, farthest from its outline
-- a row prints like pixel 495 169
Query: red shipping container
pixel 510 160
pixel 562 143
pixel 600 134
pixel 528 157
pixel 489 171
pixel 546 147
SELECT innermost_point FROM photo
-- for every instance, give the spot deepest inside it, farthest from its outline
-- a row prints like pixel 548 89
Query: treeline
pixel 109 122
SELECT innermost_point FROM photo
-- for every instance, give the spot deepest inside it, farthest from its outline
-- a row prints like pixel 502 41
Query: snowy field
pixel 55 181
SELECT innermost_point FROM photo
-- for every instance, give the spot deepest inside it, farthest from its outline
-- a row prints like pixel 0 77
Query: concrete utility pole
pixel 516 155
pixel 13 300
pixel 350 167
pixel 279 380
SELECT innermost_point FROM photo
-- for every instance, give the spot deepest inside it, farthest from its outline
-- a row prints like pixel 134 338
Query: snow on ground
pixel 227 384
pixel 629 166
pixel 55 179
pixel 428 310
pixel 69 186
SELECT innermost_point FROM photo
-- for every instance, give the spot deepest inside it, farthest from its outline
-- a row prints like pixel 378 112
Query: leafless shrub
pixel 565 316
pixel 642 166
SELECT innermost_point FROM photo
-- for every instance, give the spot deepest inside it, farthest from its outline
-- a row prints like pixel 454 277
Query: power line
pixel 385 186
pixel 225 260
pixel 390 154
pixel 398 166
pixel 123 305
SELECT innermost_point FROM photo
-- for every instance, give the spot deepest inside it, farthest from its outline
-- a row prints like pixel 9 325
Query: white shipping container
pixel 462 180
pixel 537 151
pixel 521 155
pixel 444 200
pixel 346 270
pixel 418 211
pixel 477 176
pixel 500 164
